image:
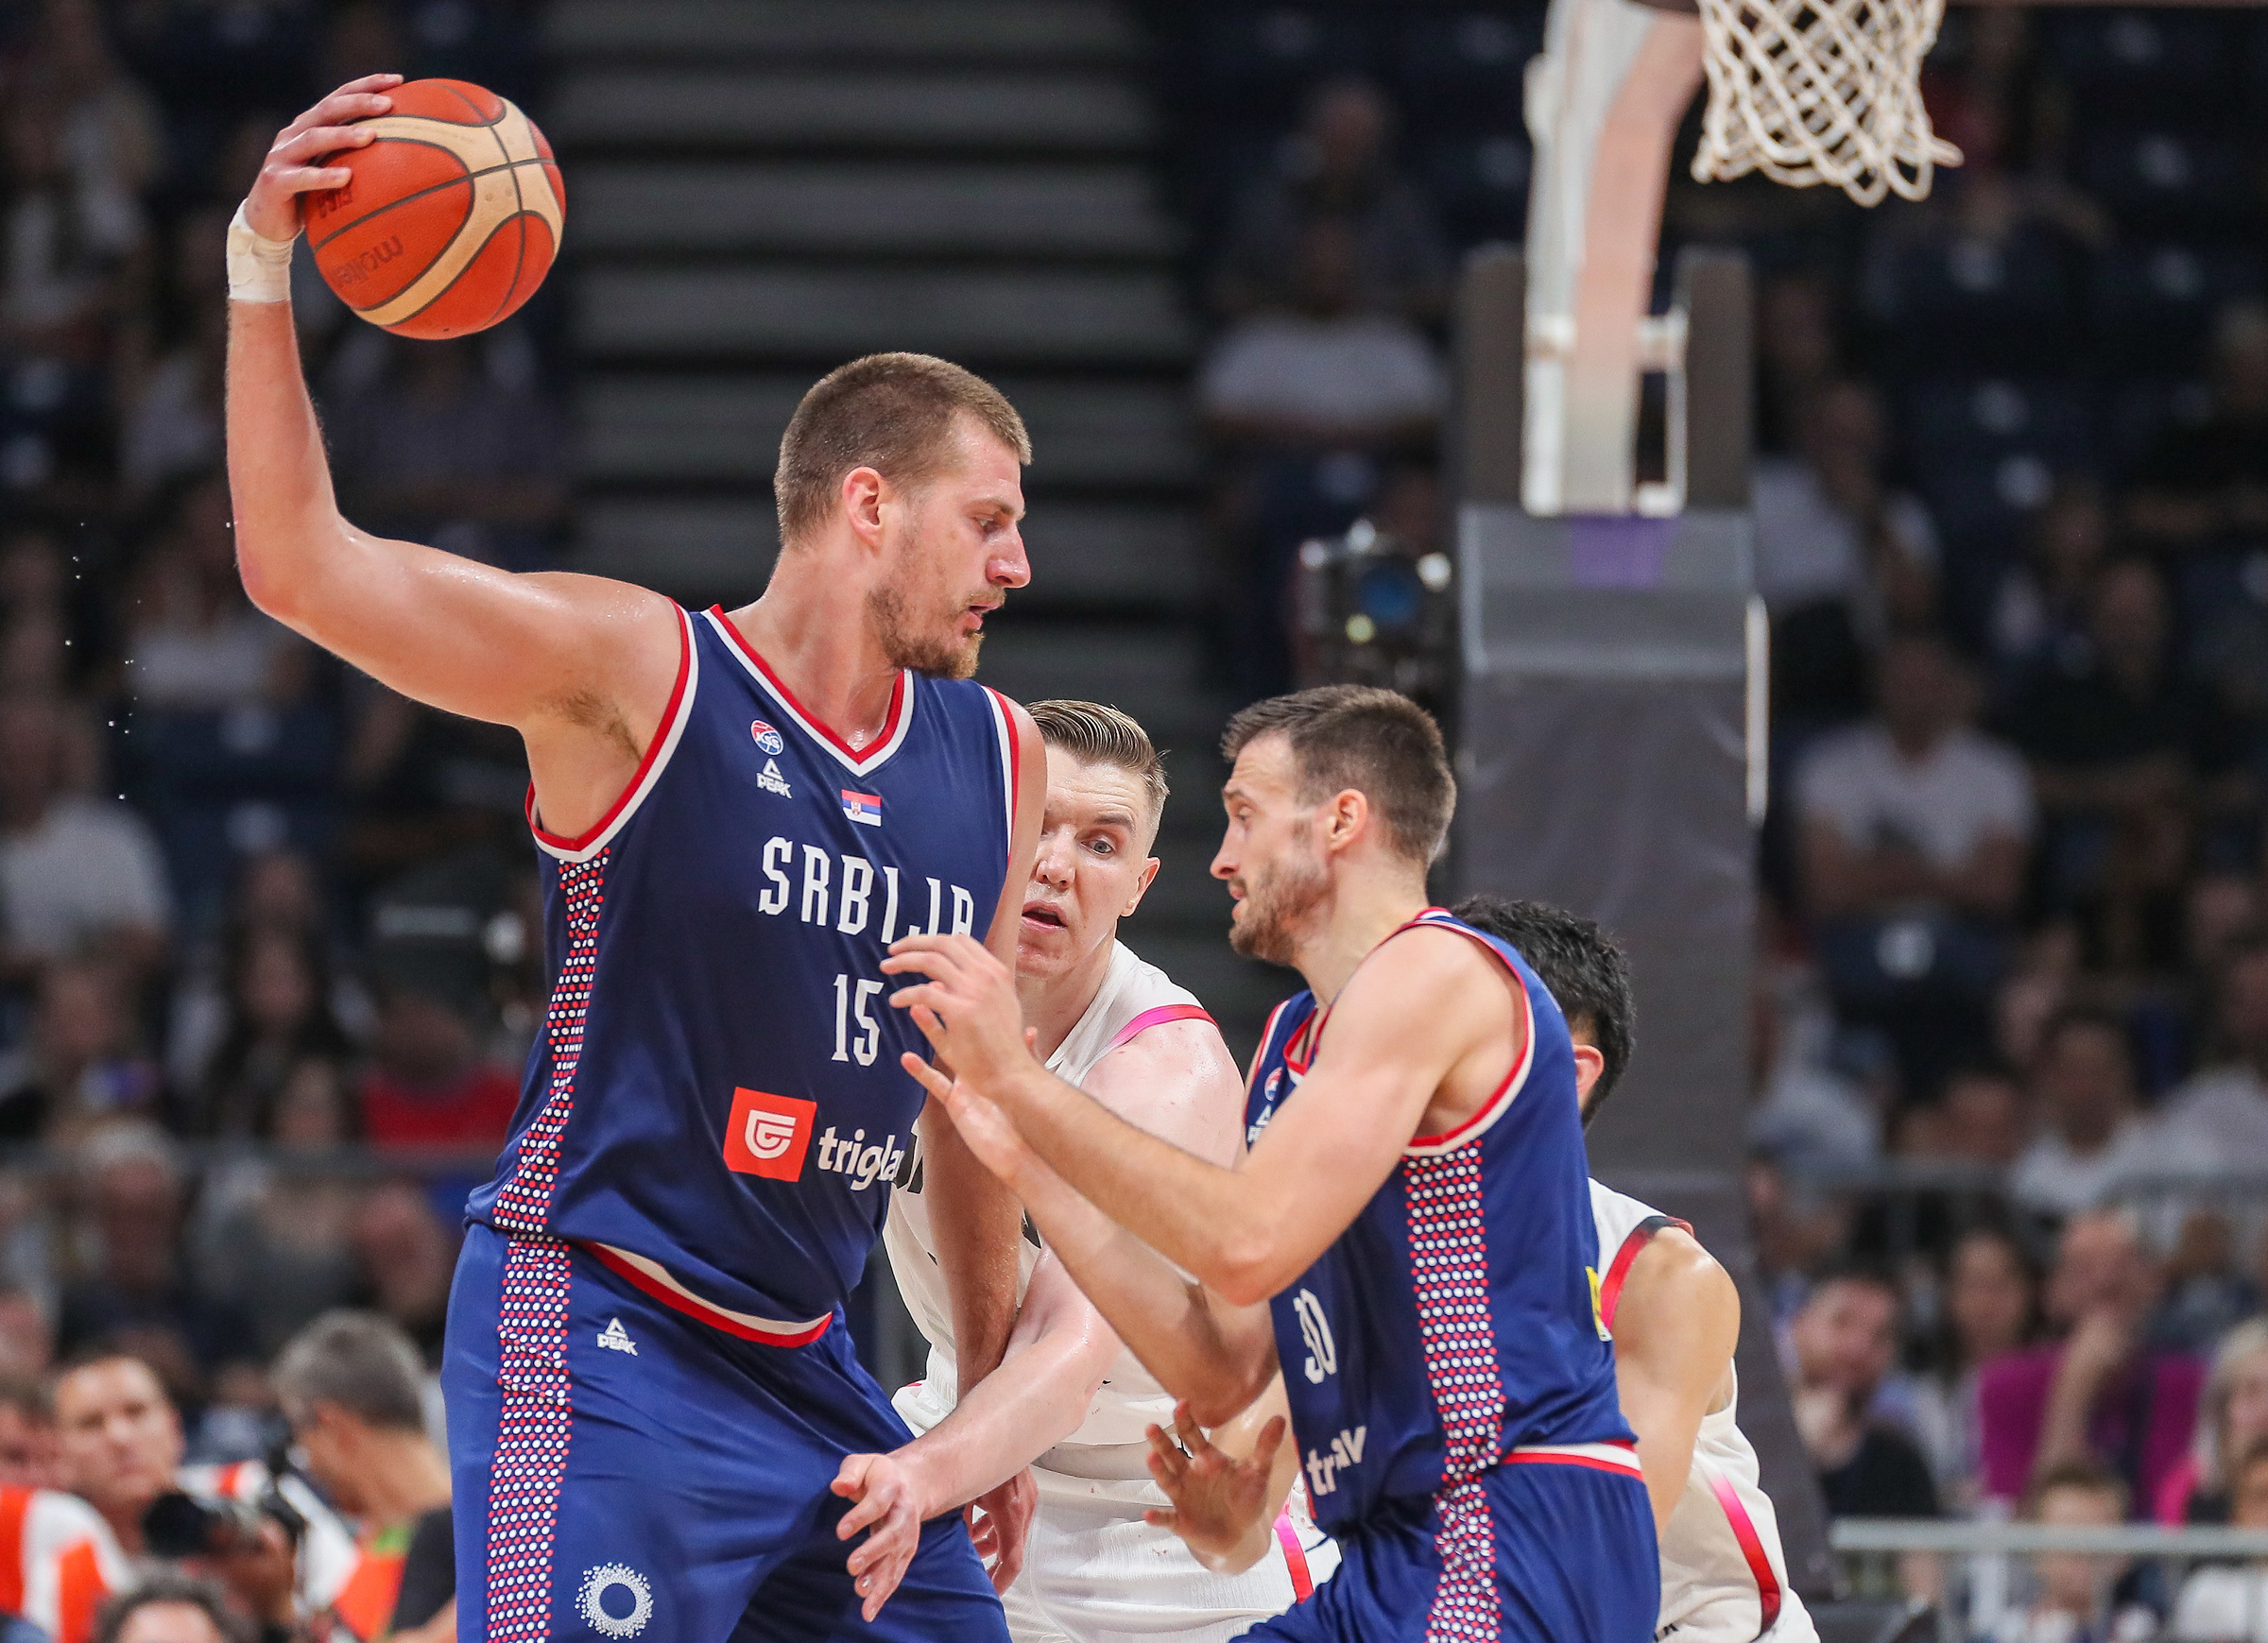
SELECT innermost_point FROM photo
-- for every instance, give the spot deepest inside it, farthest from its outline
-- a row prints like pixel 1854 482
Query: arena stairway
pixel 758 191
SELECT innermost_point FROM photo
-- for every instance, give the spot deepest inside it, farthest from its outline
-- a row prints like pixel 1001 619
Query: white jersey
pixel 1134 996
pixel 1723 1576
pixel 1094 1571
pixel 57 1562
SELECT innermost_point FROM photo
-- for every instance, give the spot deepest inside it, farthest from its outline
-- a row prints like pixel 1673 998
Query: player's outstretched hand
pixel 964 1001
pixel 1218 1499
pixel 293 164
pixel 886 1503
pixel 999 1522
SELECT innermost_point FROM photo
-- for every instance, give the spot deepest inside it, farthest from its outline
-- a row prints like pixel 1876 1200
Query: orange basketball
pixel 452 217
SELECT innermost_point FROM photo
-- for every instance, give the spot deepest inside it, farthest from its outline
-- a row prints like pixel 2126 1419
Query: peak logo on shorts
pixel 767 1135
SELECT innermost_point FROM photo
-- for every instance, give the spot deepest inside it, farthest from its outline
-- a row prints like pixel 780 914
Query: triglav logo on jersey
pixel 767 1135
pixel 1314 1328
pixel 767 739
pixel 863 808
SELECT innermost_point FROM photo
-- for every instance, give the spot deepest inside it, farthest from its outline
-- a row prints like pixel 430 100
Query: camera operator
pixel 122 1449
pixel 351 1385
pixel 170 1607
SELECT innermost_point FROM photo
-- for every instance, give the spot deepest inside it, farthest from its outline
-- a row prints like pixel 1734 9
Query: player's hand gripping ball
pixel 450 218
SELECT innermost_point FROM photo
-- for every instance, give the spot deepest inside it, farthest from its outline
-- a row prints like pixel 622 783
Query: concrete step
pixel 660 427
pixel 962 30
pixel 1008 109
pixel 1099 554
pixel 865 208
pixel 1074 316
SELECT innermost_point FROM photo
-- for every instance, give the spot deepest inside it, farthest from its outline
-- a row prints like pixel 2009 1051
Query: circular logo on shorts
pixel 767 737
pixel 599 1584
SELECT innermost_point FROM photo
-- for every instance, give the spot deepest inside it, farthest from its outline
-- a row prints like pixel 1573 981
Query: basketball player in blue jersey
pixel 1410 1235
pixel 650 1390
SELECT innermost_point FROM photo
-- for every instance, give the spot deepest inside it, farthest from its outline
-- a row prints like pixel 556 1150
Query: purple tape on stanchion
pixel 1617 551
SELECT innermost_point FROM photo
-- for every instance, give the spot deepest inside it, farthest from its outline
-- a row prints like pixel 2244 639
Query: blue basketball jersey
pixel 715 1106
pixel 1453 1322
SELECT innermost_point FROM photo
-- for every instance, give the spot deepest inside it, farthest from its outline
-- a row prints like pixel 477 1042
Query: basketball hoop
pixel 1821 90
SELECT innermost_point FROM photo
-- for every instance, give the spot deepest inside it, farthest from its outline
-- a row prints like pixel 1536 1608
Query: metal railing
pixel 1977 1574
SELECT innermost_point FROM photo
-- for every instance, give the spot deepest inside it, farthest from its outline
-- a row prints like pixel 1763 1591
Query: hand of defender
pixel 999 1521
pixel 1217 1498
pixel 291 170
pixel 967 1007
pixel 887 1504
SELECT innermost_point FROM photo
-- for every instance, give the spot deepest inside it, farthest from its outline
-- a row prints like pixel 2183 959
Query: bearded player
pixel 650 1390
pixel 1067 1398
pixel 1676 1317
pixel 1410 1235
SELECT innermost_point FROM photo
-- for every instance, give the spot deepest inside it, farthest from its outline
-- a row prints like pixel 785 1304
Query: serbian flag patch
pixel 863 808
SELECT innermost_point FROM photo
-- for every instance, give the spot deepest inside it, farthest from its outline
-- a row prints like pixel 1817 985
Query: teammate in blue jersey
pixel 1410 1235
pixel 651 1394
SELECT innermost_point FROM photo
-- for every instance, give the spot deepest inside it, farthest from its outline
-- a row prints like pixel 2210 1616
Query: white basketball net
pixel 1821 90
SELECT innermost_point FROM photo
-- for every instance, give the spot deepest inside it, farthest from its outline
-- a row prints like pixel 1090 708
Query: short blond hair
pixel 1097 734
pixel 891 411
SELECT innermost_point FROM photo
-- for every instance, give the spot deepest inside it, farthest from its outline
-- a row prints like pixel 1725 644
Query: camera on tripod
pixel 1374 609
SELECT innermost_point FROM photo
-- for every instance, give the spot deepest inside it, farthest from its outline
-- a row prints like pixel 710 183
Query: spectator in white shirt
pixel 2224 1605
pixel 78 875
pixel 2224 1109
pixel 1914 830
pixel 2093 1140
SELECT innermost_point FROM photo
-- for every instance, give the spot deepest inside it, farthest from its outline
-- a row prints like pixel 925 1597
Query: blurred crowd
pixel 2010 1131
pixel 270 951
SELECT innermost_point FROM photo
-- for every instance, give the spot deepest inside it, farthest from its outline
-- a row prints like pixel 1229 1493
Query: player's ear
pixel 1346 813
pixel 1142 887
pixel 1588 1064
pixel 863 494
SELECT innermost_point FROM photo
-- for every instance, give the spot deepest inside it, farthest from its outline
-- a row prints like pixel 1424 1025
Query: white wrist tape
pixel 259 267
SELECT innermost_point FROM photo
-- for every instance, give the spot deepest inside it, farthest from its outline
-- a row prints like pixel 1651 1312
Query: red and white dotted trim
pixel 1448 1261
pixel 524 1203
pixel 531 1320
pixel 531 1440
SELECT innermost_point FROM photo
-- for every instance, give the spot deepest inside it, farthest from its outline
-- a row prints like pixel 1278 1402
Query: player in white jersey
pixel 1067 1398
pixel 1676 1316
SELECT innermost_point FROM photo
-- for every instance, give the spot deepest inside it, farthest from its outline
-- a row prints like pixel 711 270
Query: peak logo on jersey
pixel 767 1135
pixel 863 808
pixel 767 739
pixel 772 780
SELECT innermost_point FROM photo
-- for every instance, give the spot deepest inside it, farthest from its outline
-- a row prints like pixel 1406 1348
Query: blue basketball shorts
pixel 1573 1562
pixel 625 1471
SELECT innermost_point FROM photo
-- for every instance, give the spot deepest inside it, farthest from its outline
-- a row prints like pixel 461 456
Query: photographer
pixel 352 1386
pixel 121 1451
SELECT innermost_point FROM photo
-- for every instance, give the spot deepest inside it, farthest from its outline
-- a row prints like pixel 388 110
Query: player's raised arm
pixel 584 667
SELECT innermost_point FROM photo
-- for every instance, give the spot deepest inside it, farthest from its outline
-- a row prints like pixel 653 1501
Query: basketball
pixel 450 219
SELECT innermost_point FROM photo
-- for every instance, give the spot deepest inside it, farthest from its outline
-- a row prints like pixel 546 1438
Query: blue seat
pixel 1480 184
pixel 1984 453
pixel 1259 60
pixel 2152 307
pixel 1973 305
pixel 1461 70
pixel 2168 180
pixel 2180 67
